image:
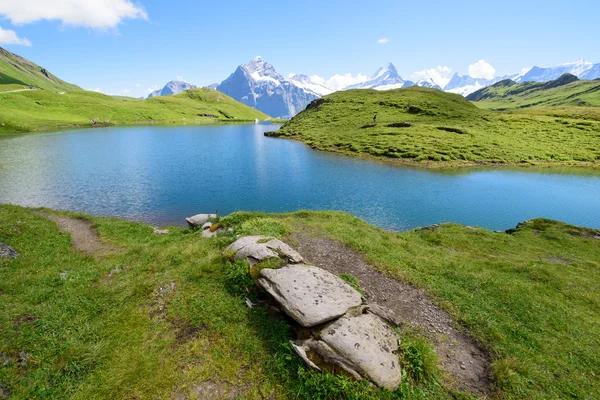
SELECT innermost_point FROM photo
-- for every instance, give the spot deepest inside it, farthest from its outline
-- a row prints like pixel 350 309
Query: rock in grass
pixel 200 219
pixel 309 295
pixel 363 346
pixel 161 231
pixel 7 252
pixel 259 248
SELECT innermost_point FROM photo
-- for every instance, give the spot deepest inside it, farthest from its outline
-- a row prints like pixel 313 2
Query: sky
pixel 130 47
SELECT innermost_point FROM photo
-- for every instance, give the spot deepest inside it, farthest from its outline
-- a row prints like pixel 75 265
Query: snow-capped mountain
pixel 580 68
pixel 465 84
pixel 304 82
pixel 428 83
pixel 257 84
pixel 385 78
pixel 173 87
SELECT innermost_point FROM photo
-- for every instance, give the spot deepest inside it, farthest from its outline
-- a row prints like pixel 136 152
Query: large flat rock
pixel 309 295
pixel 259 248
pixel 363 346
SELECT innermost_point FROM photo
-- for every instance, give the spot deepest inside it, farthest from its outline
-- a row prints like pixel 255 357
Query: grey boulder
pixel 7 252
pixel 259 248
pixel 200 219
pixel 363 346
pixel 309 295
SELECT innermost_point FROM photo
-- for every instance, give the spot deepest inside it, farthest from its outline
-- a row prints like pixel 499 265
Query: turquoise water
pixel 161 175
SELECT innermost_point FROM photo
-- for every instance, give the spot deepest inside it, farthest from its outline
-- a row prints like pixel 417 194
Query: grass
pixel 47 109
pixel 70 331
pixel 511 95
pixel 429 128
pixel 16 70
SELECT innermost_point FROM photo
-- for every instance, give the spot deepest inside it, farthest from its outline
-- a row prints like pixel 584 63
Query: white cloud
pixel 153 88
pixel 88 13
pixel 440 75
pixel 126 91
pixel 481 69
pixel 383 40
pixel 137 84
pixel 10 37
pixel 338 82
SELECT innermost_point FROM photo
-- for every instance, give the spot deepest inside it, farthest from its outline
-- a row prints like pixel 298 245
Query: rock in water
pixel 200 219
pixel 363 346
pixel 7 252
pixel 309 295
pixel 259 248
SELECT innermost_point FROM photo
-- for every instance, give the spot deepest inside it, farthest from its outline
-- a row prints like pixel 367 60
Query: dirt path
pixel 83 235
pixel 463 360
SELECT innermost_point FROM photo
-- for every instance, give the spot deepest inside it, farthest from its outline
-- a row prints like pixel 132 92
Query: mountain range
pixel 259 85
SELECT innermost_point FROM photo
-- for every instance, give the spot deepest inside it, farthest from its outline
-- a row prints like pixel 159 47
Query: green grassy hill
pixel 46 109
pixel 567 90
pixel 428 127
pixel 17 72
pixel 75 326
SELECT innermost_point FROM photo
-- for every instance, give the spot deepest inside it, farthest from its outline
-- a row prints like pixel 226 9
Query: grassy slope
pixel 16 70
pixel 511 95
pixel 531 297
pixel 45 109
pixel 341 122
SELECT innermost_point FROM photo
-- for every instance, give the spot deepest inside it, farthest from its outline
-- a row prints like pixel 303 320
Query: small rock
pixel 7 252
pixel 208 234
pixel 63 275
pixel 206 226
pixel 161 231
pixel 249 303
pixel 200 219
pixel 24 357
pixel 386 314
pixel 259 248
pixel 309 295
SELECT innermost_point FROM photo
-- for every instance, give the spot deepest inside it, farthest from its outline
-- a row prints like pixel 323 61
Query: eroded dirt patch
pixel 211 390
pixel 463 359
pixel 83 235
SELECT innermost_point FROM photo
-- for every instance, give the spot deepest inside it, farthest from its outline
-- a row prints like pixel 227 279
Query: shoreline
pixel 449 166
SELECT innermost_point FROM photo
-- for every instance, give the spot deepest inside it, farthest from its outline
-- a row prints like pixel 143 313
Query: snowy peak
pixel 257 84
pixel 171 88
pixel 580 68
pixel 429 83
pixel 385 78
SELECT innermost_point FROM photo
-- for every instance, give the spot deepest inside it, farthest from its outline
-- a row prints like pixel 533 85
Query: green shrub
pixel 237 277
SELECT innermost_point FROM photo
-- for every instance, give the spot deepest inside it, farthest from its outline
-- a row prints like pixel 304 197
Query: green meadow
pixel 166 316
pixel 430 128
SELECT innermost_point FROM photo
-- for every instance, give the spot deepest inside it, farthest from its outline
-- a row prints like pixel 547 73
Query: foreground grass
pixel 48 109
pixel 427 127
pixel 71 331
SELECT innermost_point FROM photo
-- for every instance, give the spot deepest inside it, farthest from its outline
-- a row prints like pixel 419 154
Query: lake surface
pixel 160 175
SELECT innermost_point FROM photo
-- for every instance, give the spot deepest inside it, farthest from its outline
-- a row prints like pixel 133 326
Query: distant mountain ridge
pixel 566 90
pixel 385 78
pixel 171 88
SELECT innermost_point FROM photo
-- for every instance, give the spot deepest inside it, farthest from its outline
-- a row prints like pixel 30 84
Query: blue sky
pixel 120 45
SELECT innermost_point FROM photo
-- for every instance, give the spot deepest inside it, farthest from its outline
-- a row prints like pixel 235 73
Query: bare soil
pixel 83 235
pixel 465 362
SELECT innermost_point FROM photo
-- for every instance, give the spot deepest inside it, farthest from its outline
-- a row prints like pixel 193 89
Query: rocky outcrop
pixel 7 252
pixel 200 219
pixel 309 295
pixel 361 345
pixel 259 248
pixel 339 333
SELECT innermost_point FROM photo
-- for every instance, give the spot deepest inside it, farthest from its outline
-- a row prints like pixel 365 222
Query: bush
pixel 237 277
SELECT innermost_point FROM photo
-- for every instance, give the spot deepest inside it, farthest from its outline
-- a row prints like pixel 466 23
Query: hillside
pixel 17 72
pixel 44 109
pixel 430 128
pixel 567 90
pixel 166 316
